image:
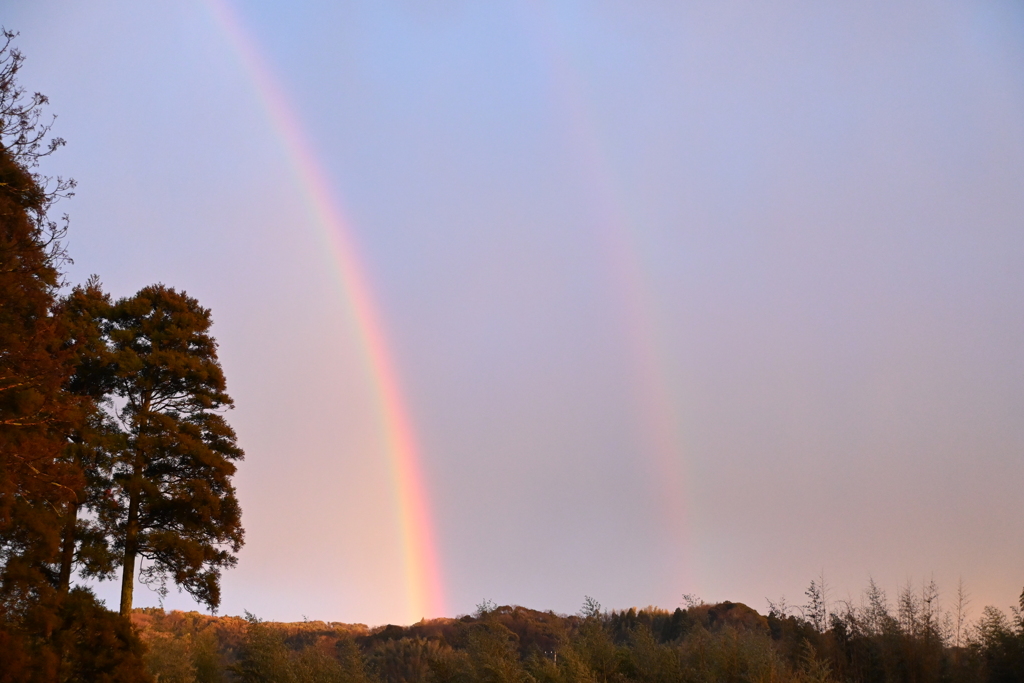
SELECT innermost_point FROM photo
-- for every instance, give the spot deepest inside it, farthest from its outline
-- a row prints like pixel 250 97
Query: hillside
pixel 726 641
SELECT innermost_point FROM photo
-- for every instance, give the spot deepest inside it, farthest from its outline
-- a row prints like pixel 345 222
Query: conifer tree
pixel 93 438
pixel 173 503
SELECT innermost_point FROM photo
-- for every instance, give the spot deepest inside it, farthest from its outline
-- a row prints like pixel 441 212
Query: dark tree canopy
pixel 93 440
pixel 35 411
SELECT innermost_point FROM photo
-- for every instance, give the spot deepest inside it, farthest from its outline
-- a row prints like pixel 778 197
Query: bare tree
pixel 816 609
pixel 23 133
pixel 591 608
pixel 908 609
pixel 963 602
pixel 778 608
pixel 25 136
pixel 692 600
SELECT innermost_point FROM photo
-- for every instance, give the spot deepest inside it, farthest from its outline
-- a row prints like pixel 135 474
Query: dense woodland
pixel 116 460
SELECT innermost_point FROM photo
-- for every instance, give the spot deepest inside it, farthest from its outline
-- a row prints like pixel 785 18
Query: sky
pixel 707 298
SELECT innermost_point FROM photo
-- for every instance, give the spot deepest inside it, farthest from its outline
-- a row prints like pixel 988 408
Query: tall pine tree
pixel 175 505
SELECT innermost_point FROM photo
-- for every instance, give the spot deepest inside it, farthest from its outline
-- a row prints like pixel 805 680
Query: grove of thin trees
pixel 910 639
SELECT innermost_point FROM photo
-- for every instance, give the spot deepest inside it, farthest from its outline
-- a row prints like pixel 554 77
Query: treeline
pixel 911 640
pixel 115 457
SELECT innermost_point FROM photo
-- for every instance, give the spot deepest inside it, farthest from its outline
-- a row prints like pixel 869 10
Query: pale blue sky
pixel 822 207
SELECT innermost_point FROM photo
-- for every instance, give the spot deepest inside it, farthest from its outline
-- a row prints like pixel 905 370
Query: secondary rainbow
pixel 657 408
pixel 422 573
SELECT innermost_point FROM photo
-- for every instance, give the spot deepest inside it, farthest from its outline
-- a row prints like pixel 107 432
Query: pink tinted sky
pixel 701 299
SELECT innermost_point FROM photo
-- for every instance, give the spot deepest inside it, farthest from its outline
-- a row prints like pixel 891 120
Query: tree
pixel 591 608
pixel 23 133
pixel 33 363
pixel 173 502
pixel 816 609
pixel 263 656
pixel 494 654
pixel 960 607
pixel 46 633
pixel 93 438
pixel 35 482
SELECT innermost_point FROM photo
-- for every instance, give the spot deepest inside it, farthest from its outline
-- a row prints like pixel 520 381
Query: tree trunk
pixel 131 545
pixel 131 536
pixel 67 555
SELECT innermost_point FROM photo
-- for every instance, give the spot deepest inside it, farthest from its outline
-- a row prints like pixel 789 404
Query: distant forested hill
pixel 913 641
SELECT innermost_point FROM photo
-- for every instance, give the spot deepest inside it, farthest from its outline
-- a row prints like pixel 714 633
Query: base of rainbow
pixel 424 592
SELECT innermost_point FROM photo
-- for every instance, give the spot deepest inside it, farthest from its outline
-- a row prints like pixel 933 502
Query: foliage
pixel 264 657
pixel 36 482
pixel 70 638
pixel 718 643
pixel 47 631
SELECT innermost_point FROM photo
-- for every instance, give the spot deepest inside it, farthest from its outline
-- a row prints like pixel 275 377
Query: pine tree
pixel 93 438
pixel 174 503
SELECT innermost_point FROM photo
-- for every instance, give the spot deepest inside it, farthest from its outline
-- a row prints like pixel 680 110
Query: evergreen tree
pixel 92 436
pixel 173 503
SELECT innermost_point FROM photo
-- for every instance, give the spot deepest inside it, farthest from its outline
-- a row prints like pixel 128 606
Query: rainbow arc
pixel 425 596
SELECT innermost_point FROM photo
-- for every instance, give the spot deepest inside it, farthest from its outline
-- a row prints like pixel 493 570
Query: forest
pixel 116 460
pixel 913 640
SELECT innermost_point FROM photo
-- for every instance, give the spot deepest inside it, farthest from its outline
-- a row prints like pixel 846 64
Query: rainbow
pixel 657 408
pixel 425 595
